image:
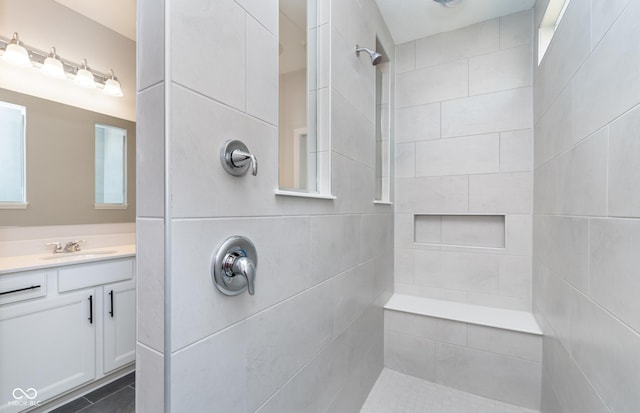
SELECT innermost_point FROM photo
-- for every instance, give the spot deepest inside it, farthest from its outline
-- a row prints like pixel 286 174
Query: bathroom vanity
pixel 66 321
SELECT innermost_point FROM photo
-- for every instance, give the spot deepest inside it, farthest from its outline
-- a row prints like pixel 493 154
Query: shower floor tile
pixel 395 392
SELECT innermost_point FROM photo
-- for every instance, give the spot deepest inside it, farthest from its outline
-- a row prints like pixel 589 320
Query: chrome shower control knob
pixel 236 158
pixel 233 269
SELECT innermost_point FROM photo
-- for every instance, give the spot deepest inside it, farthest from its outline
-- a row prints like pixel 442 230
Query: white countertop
pixel 49 260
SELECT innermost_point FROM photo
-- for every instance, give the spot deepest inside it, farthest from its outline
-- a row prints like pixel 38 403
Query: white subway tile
pixel 458 156
pixel 516 29
pixel 608 352
pixel 582 177
pixel 433 84
pixel 515 276
pixel 262 72
pixel 457 270
pixel 410 355
pixel 490 375
pixel 554 130
pixel 150 283
pixel 193 25
pixel 273 353
pixel 405 160
pixel 500 70
pixel 405 57
pixel 599 97
pixel 418 123
pixel 570 47
pixel 150 45
pixel 563 375
pixel 568 257
pixel 432 194
pixel 613 267
pixel 624 174
pixel 149 380
pixel 197 178
pixel 150 139
pixel 218 381
pixel 334 248
pixel 495 112
pixel 506 342
pixel 469 41
pixel 604 15
pixel 425 327
pixel 504 192
pixel 516 150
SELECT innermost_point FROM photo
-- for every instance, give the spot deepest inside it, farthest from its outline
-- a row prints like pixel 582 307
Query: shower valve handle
pixel 236 158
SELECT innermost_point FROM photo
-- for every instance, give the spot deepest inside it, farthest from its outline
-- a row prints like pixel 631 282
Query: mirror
pixel 61 117
pixel 61 168
pixel 298 141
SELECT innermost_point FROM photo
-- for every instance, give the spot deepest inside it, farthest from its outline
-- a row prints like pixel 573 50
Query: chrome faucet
pixel 57 247
pixel 73 246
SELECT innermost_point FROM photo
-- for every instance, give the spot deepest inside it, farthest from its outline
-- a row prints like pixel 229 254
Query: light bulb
pixel 53 66
pixel 112 86
pixel 16 54
pixel 84 77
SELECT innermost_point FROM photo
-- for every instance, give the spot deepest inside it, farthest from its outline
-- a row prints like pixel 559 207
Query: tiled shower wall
pixel 587 205
pixel 464 146
pixel 311 338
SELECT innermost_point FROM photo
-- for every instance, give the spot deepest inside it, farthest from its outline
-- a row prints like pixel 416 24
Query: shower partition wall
pixel 311 337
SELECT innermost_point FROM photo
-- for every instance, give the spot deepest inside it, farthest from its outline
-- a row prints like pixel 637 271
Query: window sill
pixel 304 194
pixel 110 206
pixel 14 205
pixel 383 202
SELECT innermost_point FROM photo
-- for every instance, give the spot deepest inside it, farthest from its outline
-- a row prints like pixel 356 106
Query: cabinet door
pixel 119 325
pixel 47 345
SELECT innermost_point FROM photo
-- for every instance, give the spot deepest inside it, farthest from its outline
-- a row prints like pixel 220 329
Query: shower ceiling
pixel 412 19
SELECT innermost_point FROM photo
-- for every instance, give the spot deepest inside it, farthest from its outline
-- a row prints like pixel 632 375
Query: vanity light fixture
pixel 112 86
pixel 15 52
pixel 84 77
pixel 52 66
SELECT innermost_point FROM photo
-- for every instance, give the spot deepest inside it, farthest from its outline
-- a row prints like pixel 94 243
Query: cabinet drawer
pixel 87 275
pixel 22 286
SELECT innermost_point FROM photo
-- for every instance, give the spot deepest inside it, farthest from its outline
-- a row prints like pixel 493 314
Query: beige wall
pixel 60 165
pixel 46 23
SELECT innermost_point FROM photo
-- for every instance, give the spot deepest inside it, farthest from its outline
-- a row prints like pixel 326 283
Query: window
pixel 552 17
pixel 12 156
pixel 111 167
pixel 383 124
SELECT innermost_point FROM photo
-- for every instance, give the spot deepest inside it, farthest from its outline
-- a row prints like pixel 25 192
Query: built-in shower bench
pixel 492 352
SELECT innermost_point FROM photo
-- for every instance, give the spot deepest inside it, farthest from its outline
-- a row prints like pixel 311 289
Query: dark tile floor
pixel 116 397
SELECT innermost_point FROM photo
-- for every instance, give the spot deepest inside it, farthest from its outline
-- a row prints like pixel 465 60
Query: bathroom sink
pixel 79 254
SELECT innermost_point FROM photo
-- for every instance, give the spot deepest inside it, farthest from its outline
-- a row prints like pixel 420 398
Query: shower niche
pixel 485 231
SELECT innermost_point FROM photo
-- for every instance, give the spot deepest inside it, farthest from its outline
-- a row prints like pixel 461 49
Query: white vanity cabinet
pixel 119 338
pixel 61 335
pixel 48 345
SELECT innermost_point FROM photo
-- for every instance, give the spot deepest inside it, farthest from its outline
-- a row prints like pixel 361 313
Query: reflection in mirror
pixel 298 161
pixel 111 167
pixel 60 166
pixel 12 132
pixel 383 126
